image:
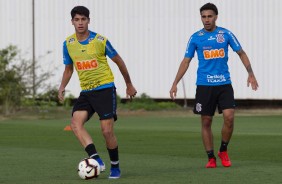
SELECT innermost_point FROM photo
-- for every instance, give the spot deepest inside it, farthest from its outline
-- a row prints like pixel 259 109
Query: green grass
pixel 156 148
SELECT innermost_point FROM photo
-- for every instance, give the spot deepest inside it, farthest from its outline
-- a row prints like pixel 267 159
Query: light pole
pixel 33 51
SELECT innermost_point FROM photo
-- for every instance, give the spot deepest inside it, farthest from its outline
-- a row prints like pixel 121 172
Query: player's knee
pixel 229 121
pixel 75 125
pixel 206 122
pixel 107 133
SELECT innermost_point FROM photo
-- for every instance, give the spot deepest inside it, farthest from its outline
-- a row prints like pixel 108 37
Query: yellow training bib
pixel 90 61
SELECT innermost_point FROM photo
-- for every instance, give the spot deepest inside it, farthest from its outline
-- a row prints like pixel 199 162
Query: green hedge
pixel 146 103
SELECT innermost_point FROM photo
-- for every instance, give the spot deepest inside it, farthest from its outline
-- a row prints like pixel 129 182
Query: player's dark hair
pixel 80 10
pixel 209 6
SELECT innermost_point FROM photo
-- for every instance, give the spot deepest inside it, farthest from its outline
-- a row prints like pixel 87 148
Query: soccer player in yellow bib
pixel 86 51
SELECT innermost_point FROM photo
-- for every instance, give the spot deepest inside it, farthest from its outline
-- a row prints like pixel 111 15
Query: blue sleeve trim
pixel 66 57
pixel 110 51
pixel 233 42
pixel 190 49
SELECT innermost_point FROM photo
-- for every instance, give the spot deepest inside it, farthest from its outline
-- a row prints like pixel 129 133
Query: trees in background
pixel 12 85
pixel 16 81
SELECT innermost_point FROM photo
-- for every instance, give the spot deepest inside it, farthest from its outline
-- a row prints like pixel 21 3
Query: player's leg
pixel 227 128
pixel 105 106
pixel 77 125
pixel 207 137
pixel 205 106
pixel 82 111
pixel 226 105
pixel 107 126
pixel 226 132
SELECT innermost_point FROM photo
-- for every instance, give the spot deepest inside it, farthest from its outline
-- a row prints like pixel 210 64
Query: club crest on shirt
pixel 220 38
pixel 100 38
pixel 71 40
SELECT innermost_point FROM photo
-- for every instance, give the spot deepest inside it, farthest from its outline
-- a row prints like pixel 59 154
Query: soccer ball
pixel 88 168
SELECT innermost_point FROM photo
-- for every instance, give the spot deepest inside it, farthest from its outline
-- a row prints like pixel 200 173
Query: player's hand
pixel 173 92
pixel 253 81
pixel 131 91
pixel 61 95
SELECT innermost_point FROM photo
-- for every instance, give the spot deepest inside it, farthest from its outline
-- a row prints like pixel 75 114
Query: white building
pixel 151 36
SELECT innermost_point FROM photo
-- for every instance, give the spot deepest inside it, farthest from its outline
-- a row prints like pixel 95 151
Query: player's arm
pixel 65 80
pixel 67 72
pixel 130 89
pixel 181 71
pixel 246 62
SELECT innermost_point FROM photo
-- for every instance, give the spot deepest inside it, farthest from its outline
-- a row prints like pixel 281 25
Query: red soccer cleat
pixel 211 163
pixel 225 161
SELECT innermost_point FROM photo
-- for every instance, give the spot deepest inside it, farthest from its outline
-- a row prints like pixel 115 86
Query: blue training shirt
pixel 212 51
pixel 110 52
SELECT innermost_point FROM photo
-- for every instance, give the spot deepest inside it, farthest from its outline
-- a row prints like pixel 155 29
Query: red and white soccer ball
pixel 88 168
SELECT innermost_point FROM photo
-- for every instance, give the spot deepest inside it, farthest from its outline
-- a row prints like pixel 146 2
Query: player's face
pixel 80 23
pixel 208 18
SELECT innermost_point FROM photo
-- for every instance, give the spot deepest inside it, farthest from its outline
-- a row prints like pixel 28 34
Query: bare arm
pixel 246 62
pixel 181 71
pixel 65 80
pixel 130 90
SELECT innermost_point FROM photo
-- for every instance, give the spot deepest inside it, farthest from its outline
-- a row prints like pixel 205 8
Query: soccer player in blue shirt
pixel 214 89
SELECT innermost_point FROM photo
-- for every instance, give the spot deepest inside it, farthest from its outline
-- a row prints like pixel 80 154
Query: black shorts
pixel 208 98
pixel 101 101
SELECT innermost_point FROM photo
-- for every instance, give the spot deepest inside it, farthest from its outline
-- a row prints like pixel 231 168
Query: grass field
pixel 155 148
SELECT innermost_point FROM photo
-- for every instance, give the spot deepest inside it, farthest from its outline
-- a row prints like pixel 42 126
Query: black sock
pixel 210 154
pixel 91 151
pixel 223 146
pixel 113 153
